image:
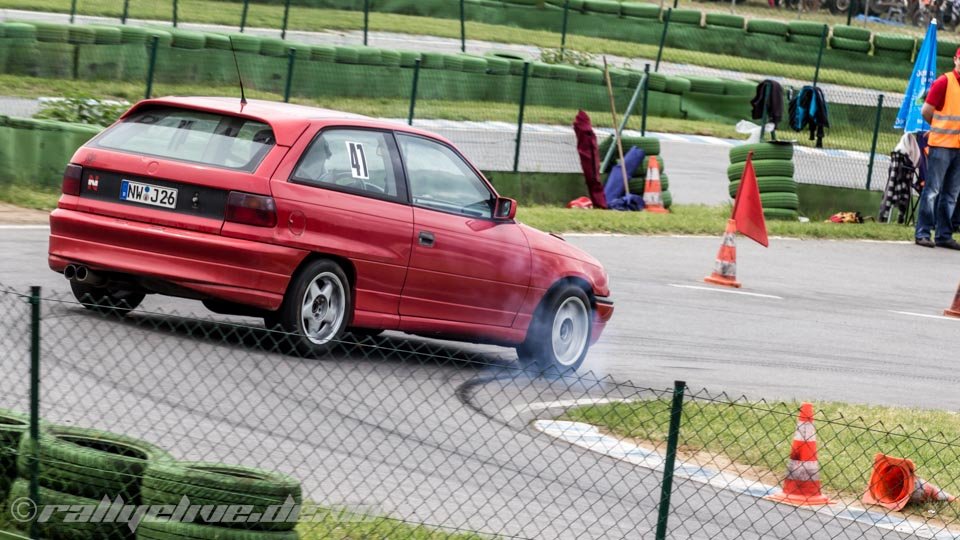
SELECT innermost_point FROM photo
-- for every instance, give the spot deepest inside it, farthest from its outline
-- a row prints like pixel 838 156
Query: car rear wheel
pixel 106 300
pixel 559 336
pixel 316 309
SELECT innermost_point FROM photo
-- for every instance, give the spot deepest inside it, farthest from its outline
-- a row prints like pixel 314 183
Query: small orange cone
pixel 652 202
pixel 954 310
pixel 725 269
pixel 894 483
pixel 802 485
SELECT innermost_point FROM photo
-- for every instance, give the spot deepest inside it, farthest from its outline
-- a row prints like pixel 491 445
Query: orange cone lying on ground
pixel 802 485
pixel 954 310
pixel 652 201
pixel 894 483
pixel 725 269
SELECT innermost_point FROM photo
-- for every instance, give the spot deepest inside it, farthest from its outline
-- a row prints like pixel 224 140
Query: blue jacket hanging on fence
pixel 808 109
pixel 617 198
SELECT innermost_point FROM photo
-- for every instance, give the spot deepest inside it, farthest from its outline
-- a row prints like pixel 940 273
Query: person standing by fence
pixel 939 197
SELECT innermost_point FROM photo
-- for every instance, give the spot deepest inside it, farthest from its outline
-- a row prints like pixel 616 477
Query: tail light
pixel 248 209
pixel 71 179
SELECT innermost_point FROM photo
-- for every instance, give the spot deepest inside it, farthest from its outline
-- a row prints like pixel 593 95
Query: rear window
pixel 186 135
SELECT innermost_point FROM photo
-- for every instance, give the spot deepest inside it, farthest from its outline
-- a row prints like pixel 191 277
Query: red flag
pixel 747 207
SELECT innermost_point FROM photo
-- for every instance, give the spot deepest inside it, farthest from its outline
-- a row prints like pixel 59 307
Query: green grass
pixel 313 19
pixel 694 220
pixel 30 197
pixel 350 526
pixel 756 437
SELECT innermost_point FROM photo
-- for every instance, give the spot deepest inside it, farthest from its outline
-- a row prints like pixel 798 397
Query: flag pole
pixel 736 200
pixel 616 133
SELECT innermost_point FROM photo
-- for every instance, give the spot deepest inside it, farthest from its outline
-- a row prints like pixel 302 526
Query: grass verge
pixel 315 19
pixel 694 220
pixel 351 526
pixel 753 440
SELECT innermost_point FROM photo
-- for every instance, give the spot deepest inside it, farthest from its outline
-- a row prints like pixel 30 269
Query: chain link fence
pixel 221 431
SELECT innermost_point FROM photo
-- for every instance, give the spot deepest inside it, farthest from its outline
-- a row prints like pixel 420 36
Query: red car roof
pixel 287 120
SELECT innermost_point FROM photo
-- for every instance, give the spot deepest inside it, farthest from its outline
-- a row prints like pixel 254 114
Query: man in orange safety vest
pixel 939 197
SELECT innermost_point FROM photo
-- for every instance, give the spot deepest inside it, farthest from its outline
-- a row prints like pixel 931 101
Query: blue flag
pixel 924 73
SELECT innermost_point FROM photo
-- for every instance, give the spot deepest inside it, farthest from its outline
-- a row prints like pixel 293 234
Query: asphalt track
pixel 446 440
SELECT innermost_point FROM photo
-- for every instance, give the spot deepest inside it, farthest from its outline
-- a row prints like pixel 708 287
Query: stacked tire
pixel 773 165
pixel 850 38
pixel 271 496
pixel 80 467
pixel 637 182
pixel 894 46
pixel 12 427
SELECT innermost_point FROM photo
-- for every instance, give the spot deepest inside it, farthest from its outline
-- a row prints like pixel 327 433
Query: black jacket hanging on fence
pixel 900 179
pixel 808 109
pixel 774 106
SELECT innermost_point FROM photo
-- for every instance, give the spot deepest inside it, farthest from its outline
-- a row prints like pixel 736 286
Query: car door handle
pixel 426 239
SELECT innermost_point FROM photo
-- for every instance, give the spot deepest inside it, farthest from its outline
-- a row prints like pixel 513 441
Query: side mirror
pixel 505 209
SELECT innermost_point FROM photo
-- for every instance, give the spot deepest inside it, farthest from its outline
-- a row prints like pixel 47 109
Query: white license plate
pixel 148 194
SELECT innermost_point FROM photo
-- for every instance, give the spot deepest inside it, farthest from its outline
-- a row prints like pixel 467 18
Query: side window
pixel 441 180
pixel 353 160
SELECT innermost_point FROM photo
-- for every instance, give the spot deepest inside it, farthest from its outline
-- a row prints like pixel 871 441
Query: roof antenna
pixel 243 97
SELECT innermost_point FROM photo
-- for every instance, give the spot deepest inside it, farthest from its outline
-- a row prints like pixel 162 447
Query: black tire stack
pixel 773 164
pixel 80 467
pixel 637 183
pixel 219 484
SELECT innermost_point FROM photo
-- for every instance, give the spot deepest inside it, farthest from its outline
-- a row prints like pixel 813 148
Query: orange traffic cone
pixel 652 202
pixel 802 485
pixel 954 310
pixel 894 483
pixel 725 269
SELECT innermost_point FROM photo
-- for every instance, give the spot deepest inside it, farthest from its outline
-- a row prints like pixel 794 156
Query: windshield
pixel 186 135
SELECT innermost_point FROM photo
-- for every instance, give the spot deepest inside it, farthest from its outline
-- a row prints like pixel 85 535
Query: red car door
pixel 464 267
pixel 346 196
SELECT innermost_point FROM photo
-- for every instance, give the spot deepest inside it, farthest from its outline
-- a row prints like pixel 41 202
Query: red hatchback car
pixel 321 223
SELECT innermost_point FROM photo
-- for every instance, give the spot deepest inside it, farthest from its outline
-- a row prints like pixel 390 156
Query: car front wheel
pixel 316 309
pixel 559 336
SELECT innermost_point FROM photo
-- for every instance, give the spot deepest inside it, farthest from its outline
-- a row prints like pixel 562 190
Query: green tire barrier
pixel 245 42
pixel 853 33
pixel 806 28
pixel 686 16
pixel 646 164
pixel 370 56
pixel 52 33
pixel 705 85
pixel 17 30
pixel 894 42
pixel 641 10
pixel 768 184
pixel 649 145
pixel 107 35
pixel 137 35
pixel 845 44
pixel 782 200
pixel 638 183
pixel 55 60
pixel 773 28
pixel 327 53
pixel 56 529
pixel 810 41
pixel 393 58
pixel 590 76
pixel 602 6
pixel 780 214
pixel 725 20
pixel 152 528
pixel 214 483
pixel 25 147
pixel 12 427
pixel 944 48
pixel 91 463
pixel 677 85
pixel 82 35
pixel 762 167
pixel 761 151
pixel 428 60
pixel 739 88
pixel 501 66
pixel 185 39
pixel 667 198
pixel 657 82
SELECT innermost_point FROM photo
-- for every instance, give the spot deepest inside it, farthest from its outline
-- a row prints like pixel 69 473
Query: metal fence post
pixel 850 11
pixel 243 15
pixel 646 94
pixel 563 29
pixel 523 106
pixel 676 410
pixel 675 2
pixel 175 6
pixel 126 12
pixel 73 10
pixel 766 101
pixel 291 58
pixel 873 146
pixel 626 118
pixel 463 26
pixel 413 91
pixel 34 459
pixel 823 45
pixel 286 18
pixel 366 20
pixel 152 65
pixel 663 39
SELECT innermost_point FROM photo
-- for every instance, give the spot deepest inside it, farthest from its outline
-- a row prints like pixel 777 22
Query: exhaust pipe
pixel 89 277
pixel 70 272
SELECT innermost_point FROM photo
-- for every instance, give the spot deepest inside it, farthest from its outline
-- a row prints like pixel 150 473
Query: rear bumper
pixel 242 271
pixel 602 315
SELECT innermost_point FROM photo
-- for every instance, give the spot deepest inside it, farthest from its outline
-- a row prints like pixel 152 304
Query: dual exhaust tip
pixel 82 274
